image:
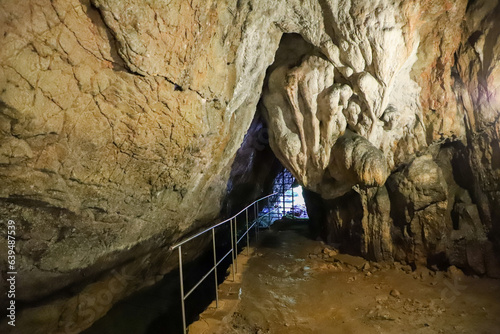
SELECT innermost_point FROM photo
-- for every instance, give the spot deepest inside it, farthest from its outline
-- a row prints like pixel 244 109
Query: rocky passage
pixel 121 120
pixel 297 285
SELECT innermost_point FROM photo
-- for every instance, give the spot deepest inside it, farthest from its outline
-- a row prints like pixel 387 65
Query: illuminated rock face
pixel 404 99
pixel 120 120
pixel 356 79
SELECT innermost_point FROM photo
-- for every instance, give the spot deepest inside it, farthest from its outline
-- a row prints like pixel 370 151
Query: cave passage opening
pixel 287 203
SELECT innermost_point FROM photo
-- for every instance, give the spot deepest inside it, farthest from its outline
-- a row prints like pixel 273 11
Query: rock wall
pixel 423 190
pixel 253 171
pixel 120 121
pixel 421 216
pixel 477 86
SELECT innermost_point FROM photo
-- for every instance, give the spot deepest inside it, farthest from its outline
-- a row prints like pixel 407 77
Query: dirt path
pixel 297 285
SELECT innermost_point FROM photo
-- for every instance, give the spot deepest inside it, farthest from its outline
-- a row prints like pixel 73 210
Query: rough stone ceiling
pixel 120 120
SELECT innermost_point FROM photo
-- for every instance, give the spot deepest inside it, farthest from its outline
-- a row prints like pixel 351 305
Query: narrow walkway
pixel 229 297
pixel 294 284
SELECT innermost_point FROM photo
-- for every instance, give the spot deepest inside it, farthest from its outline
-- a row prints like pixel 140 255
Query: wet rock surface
pixel 422 216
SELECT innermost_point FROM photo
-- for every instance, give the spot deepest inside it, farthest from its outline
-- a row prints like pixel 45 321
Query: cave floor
pixel 293 284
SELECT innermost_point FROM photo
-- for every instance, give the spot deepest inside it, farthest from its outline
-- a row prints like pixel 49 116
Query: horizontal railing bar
pixel 204 277
pixel 230 251
pixel 194 236
pixel 260 199
pixel 242 237
pixel 250 228
pixel 225 221
pixel 199 282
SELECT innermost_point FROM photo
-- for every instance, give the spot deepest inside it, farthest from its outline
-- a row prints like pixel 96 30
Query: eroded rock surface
pixel 120 120
pixel 347 82
pixel 420 122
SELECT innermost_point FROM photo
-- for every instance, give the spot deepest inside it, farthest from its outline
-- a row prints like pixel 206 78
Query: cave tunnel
pixel 322 166
pixel 289 201
pixel 255 172
pixel 303 240
pixel 278 267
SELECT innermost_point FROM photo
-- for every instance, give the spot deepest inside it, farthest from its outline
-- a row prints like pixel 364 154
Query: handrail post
pixel 181 279
pixel 236 243
pixel 215 271
pixel 248 233
pixel 232 248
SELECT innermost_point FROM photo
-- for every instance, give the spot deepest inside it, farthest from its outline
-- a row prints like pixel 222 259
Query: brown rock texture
pixel 440 206
pixel 120 121
pixel 478 89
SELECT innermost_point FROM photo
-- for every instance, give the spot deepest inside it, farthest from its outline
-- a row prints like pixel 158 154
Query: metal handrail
pixel 217 225
pixel 233 252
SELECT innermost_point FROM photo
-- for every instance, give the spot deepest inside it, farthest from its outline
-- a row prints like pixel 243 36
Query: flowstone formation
pixel 120 121
pixel 399 138
pixel 308 129
pixel 347 111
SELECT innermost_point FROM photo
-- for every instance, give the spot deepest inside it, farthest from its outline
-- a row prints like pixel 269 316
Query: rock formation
pixel 253 171
pixel 120 121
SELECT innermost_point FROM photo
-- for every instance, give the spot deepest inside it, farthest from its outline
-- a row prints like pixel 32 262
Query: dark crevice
pixel 291 51
pixel 97 19
pixel 455 219
pixel 461 169
pixel 36 204
pixel 253 170
pixel 345 229
pixel 470 3
pixel 438 261
pixel 474 37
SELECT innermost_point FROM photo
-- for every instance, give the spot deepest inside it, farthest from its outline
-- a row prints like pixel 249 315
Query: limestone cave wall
pixel 253 170
pixel 120 121
pixel 400 146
